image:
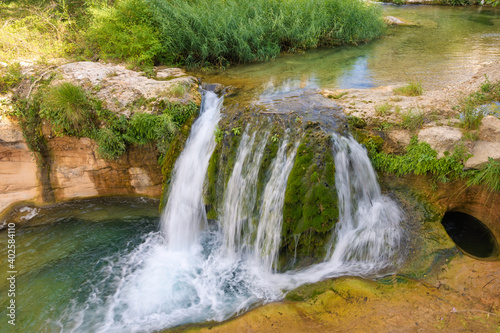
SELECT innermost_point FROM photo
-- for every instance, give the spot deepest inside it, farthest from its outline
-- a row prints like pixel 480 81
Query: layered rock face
pixel 74 170
pixel 18 168
pixel 69 167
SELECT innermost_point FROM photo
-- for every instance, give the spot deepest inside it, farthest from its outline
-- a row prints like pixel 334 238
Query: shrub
pixel 125 32
pixel 110 143
pixel 420 159
pixel 69 110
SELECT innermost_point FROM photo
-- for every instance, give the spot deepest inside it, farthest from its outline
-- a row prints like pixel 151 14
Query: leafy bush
pixel 110 143
pixel 413 88
pixel 180 113
pixel 69 110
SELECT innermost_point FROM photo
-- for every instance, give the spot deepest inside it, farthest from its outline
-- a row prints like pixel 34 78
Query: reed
pixel 220 32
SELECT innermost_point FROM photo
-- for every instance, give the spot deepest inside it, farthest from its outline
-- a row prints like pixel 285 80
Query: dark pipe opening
pixel 470 234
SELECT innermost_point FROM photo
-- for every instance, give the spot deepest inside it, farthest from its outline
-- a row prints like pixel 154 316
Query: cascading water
pixel 267 241
pixel 194 271
pixel 367 235
pixel 184 201
pixel 240 195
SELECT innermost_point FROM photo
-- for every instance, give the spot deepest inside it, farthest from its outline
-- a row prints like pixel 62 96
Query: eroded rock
pixel 119 87
pixel 481 152
pixel 441 138
pixel 490 129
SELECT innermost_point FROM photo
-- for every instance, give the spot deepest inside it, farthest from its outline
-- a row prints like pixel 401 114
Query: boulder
pixel 490 129
pixel 400 139
pixel 119 87
pixel 481 151
pixel 441 138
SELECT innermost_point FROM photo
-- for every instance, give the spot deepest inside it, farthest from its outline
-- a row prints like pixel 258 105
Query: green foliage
pixel 180 113
pixel 356 122
pixel 125 31
pixel 337 96
pixel 69 110
pixel 219 135
pixel 493 3
pixel 471 110
pixel 236 130
pixel 110 143
pixel 488 176
pixel 31 124
pixel 413 88
pixel 421 159
pixel 219 32
pixel 412 120
pixel 383 109
pixel 10 77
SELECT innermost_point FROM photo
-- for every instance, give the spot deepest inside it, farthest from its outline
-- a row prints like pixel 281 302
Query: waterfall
pixel 366 239
pixel 240 195
pixel 368 234
pixel 192 271
pixel 271 212
pixel 184 214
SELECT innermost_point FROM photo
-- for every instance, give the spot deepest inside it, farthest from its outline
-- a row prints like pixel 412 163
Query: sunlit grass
pixel 413 88
pixel 29 32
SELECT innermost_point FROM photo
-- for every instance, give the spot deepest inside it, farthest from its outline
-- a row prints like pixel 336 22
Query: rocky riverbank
pixel 70 167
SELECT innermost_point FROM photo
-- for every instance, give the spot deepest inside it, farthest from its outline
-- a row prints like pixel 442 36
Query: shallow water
pixel 446 44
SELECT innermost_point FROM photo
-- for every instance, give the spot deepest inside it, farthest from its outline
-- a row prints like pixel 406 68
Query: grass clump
pixel 69 109
pixel 488 176
pixel 413 88
pixel 412 120
pixel 10 76
pixel 472 110
pixel 383 109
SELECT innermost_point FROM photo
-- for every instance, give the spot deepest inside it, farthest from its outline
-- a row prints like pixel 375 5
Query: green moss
pixel 366 138
pixel 310 208
pixel 220 167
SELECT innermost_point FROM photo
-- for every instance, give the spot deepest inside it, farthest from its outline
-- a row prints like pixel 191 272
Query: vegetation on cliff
pixel 68 109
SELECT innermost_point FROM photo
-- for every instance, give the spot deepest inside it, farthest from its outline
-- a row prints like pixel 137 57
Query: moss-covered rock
pixel 310 209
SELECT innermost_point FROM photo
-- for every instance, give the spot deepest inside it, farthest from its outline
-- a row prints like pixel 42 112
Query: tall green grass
pixel 219 32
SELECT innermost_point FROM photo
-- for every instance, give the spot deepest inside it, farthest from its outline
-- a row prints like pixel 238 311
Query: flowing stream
pixel 116 266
